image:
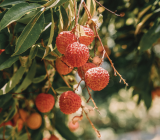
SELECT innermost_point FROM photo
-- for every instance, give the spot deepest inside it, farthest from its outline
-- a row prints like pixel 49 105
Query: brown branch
pixel 97 132
pixel 28 134
pixel 47 76
pixel 4 130
pixel 77 85
pixel 120 15
pixel 90 98
pixel 104 52
pixel 75 11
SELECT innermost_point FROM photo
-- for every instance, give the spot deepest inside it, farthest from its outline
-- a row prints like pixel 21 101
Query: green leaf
pixel 11 2
pixel 64 17
pixel 23 137
pixel 33 52
pixel 30 34
pixel 53 3
pixel 91 5
pixel 8 63
pixel 13 81
pixel 16 12
pixel 49 45
pixel 63 89
pixel 39 79
pixel 28 79
pixel 151 37
pixel 4 99
pixel 40 54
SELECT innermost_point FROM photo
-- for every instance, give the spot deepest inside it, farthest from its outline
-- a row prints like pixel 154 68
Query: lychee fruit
pixel 64 39
pixel 82 70
pixel 77 54
pixel 20 124
pixel 6 123
pixel 97 60
pixel 88 38
pixel 72 126
pixel 23 114
pixel 155 92
pixel 44 102
pixel 62 66
pixel 97 78
pixel 53 137
pixel 34 121
pixel 69 102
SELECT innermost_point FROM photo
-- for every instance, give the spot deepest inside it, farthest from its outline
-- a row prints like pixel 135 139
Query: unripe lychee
pixel 88 38
pixel 64 39
pixel 44 102
pixel 72 126
pixel 34 121
pixel 23 115
pixel 96 60
pixel 53 137
pixel 69 102
pixel 77 54
pixel 97 78
pixel 82 70
pixel 62 66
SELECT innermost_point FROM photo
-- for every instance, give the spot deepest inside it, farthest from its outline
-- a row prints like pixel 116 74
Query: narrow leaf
pixel 63 89
pixel 30 34
pixel 28 79
pixel 13 81
pixel 11 2
pixel 8 63
pixel 53 3
pixel 64 18
pixel 16 12
pixel 39 79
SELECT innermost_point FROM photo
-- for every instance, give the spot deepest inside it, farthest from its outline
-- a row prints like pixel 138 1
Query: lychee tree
pixel 42 45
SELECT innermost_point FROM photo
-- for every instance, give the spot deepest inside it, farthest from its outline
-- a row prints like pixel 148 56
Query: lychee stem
pixel 4 130
pixel 50 84
pixel 90 98
pixel 78 85
pixel 97 132
pixel 104 52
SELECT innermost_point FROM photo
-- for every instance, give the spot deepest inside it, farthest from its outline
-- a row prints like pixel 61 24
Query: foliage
pixel 28 31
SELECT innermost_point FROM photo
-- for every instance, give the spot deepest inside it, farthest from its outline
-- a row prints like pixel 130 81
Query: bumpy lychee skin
pixel 77 54
pixel 34 121
pixel 97 78
pixel 69 102
pixel 82 70
pixel 44 102
pixel 62 66
pixel 53 137
pixel 64 39
pixel 87 40
pixel 72 126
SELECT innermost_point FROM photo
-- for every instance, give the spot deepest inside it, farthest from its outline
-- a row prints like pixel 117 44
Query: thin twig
pixel 65 80
pixel 79 12
pixel 75 12
pixel 90 98
pixel 4 130
pixel 97 132
pixel 104 52
pixel 47 76
pixel 120 15
pixel 77 85
pixel 28 134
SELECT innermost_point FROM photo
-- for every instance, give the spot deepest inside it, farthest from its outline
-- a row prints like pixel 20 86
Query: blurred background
pixel 133 43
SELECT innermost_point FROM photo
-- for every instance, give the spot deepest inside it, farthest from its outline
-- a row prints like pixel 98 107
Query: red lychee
pixel 155 93
pixel 88 38
pixel 6 123
pixel 97 78
pixel 82 70
pixel 62 66
pixel 64 39
pixel 53 137
pixel 77 54
pixel 20 124
pixel 72 126
pixel 69 102
pixel 44 102
pixel 34 121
